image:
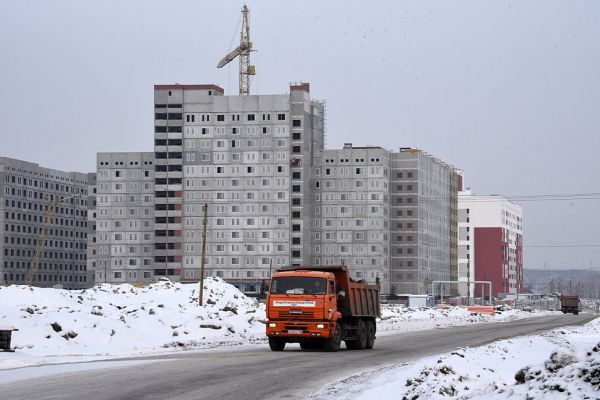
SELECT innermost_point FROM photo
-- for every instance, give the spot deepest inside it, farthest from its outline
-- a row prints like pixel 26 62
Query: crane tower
pixel 243 51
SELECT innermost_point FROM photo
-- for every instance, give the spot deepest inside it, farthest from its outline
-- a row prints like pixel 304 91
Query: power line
pixel 499 197
pixel 542 246
pixel 561 269
pixel 561 245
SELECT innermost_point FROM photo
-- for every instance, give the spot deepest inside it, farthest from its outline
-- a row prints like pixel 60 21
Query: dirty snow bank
pixel 111 321
pixel 120 320
pixel 397 318
pixel 561 364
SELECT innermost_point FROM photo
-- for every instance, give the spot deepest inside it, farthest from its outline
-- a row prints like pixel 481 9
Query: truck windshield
pixel 298 285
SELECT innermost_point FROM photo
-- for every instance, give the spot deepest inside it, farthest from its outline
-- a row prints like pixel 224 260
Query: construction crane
pixel 43 234
pixel 243 52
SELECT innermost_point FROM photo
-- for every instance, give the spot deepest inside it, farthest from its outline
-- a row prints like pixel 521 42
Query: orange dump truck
pixel 319 307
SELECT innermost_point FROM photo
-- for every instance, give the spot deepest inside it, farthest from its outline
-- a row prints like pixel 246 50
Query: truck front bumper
pixel 299 329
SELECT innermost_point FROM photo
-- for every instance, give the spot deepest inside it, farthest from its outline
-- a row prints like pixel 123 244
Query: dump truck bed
pixel 361 300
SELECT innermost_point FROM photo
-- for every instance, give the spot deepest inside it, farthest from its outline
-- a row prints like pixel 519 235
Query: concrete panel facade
pixel 26 190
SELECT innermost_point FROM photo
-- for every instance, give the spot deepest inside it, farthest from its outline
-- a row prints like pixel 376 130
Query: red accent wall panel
pixel 489 259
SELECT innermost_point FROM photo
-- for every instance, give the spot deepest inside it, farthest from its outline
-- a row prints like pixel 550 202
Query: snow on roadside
pixel 112 321
pixel 397 318
pixel 121 320
pixel 561 364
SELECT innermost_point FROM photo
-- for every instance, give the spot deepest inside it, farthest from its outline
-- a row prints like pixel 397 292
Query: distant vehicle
pixel 319 307
pixel 569 303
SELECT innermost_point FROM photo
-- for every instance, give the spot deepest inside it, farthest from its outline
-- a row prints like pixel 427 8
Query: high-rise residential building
pixel 351 211
pixel 121 242
pixel 249 158
pixel 91 227
pixel 421 196
pixel 274 198
pixel 490 244
pixel 27 192
pixel 456 181
pixel 387 214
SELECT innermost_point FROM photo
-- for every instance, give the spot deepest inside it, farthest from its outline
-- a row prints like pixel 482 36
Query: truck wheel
pixel 335 340
pixel 363 333
pixel 576 312
pixel 370 334
pixel 276 344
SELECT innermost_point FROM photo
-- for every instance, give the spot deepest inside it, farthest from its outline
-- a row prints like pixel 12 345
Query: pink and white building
pixel 490 244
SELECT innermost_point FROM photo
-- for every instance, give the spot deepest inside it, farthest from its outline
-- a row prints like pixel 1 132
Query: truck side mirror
pixel 341 294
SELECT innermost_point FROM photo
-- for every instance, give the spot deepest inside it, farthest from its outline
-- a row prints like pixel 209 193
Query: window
pixel 296 123
pixel 296 136
pixel 250 117
pixel 220 117
pixel 281 117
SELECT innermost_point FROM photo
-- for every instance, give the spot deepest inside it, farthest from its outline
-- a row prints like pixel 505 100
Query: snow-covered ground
pixel 112 321
pixel 397 318
pixel 561 364
pixel 109 321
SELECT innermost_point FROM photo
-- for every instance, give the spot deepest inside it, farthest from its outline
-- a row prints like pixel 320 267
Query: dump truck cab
pixel 319 307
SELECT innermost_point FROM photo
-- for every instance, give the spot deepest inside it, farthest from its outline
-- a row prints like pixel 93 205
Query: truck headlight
pixel 272 325
pixel 320 326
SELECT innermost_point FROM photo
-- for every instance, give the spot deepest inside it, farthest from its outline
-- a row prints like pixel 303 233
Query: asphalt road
pixel 258 373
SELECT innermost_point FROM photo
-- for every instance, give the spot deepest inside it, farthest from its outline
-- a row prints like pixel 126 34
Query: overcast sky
pixel 508 91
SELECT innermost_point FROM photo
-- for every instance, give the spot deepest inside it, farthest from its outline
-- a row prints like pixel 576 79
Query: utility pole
pixel 468 283
pixel 203 254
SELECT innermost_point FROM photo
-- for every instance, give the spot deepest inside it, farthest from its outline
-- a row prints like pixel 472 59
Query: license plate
pixel 294 331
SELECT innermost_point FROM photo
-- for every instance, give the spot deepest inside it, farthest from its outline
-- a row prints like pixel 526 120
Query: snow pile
pixel 591 305
pixel 562 375
pixel 562 364
pixel 110 321
pixel 124 320
pixel 398 318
